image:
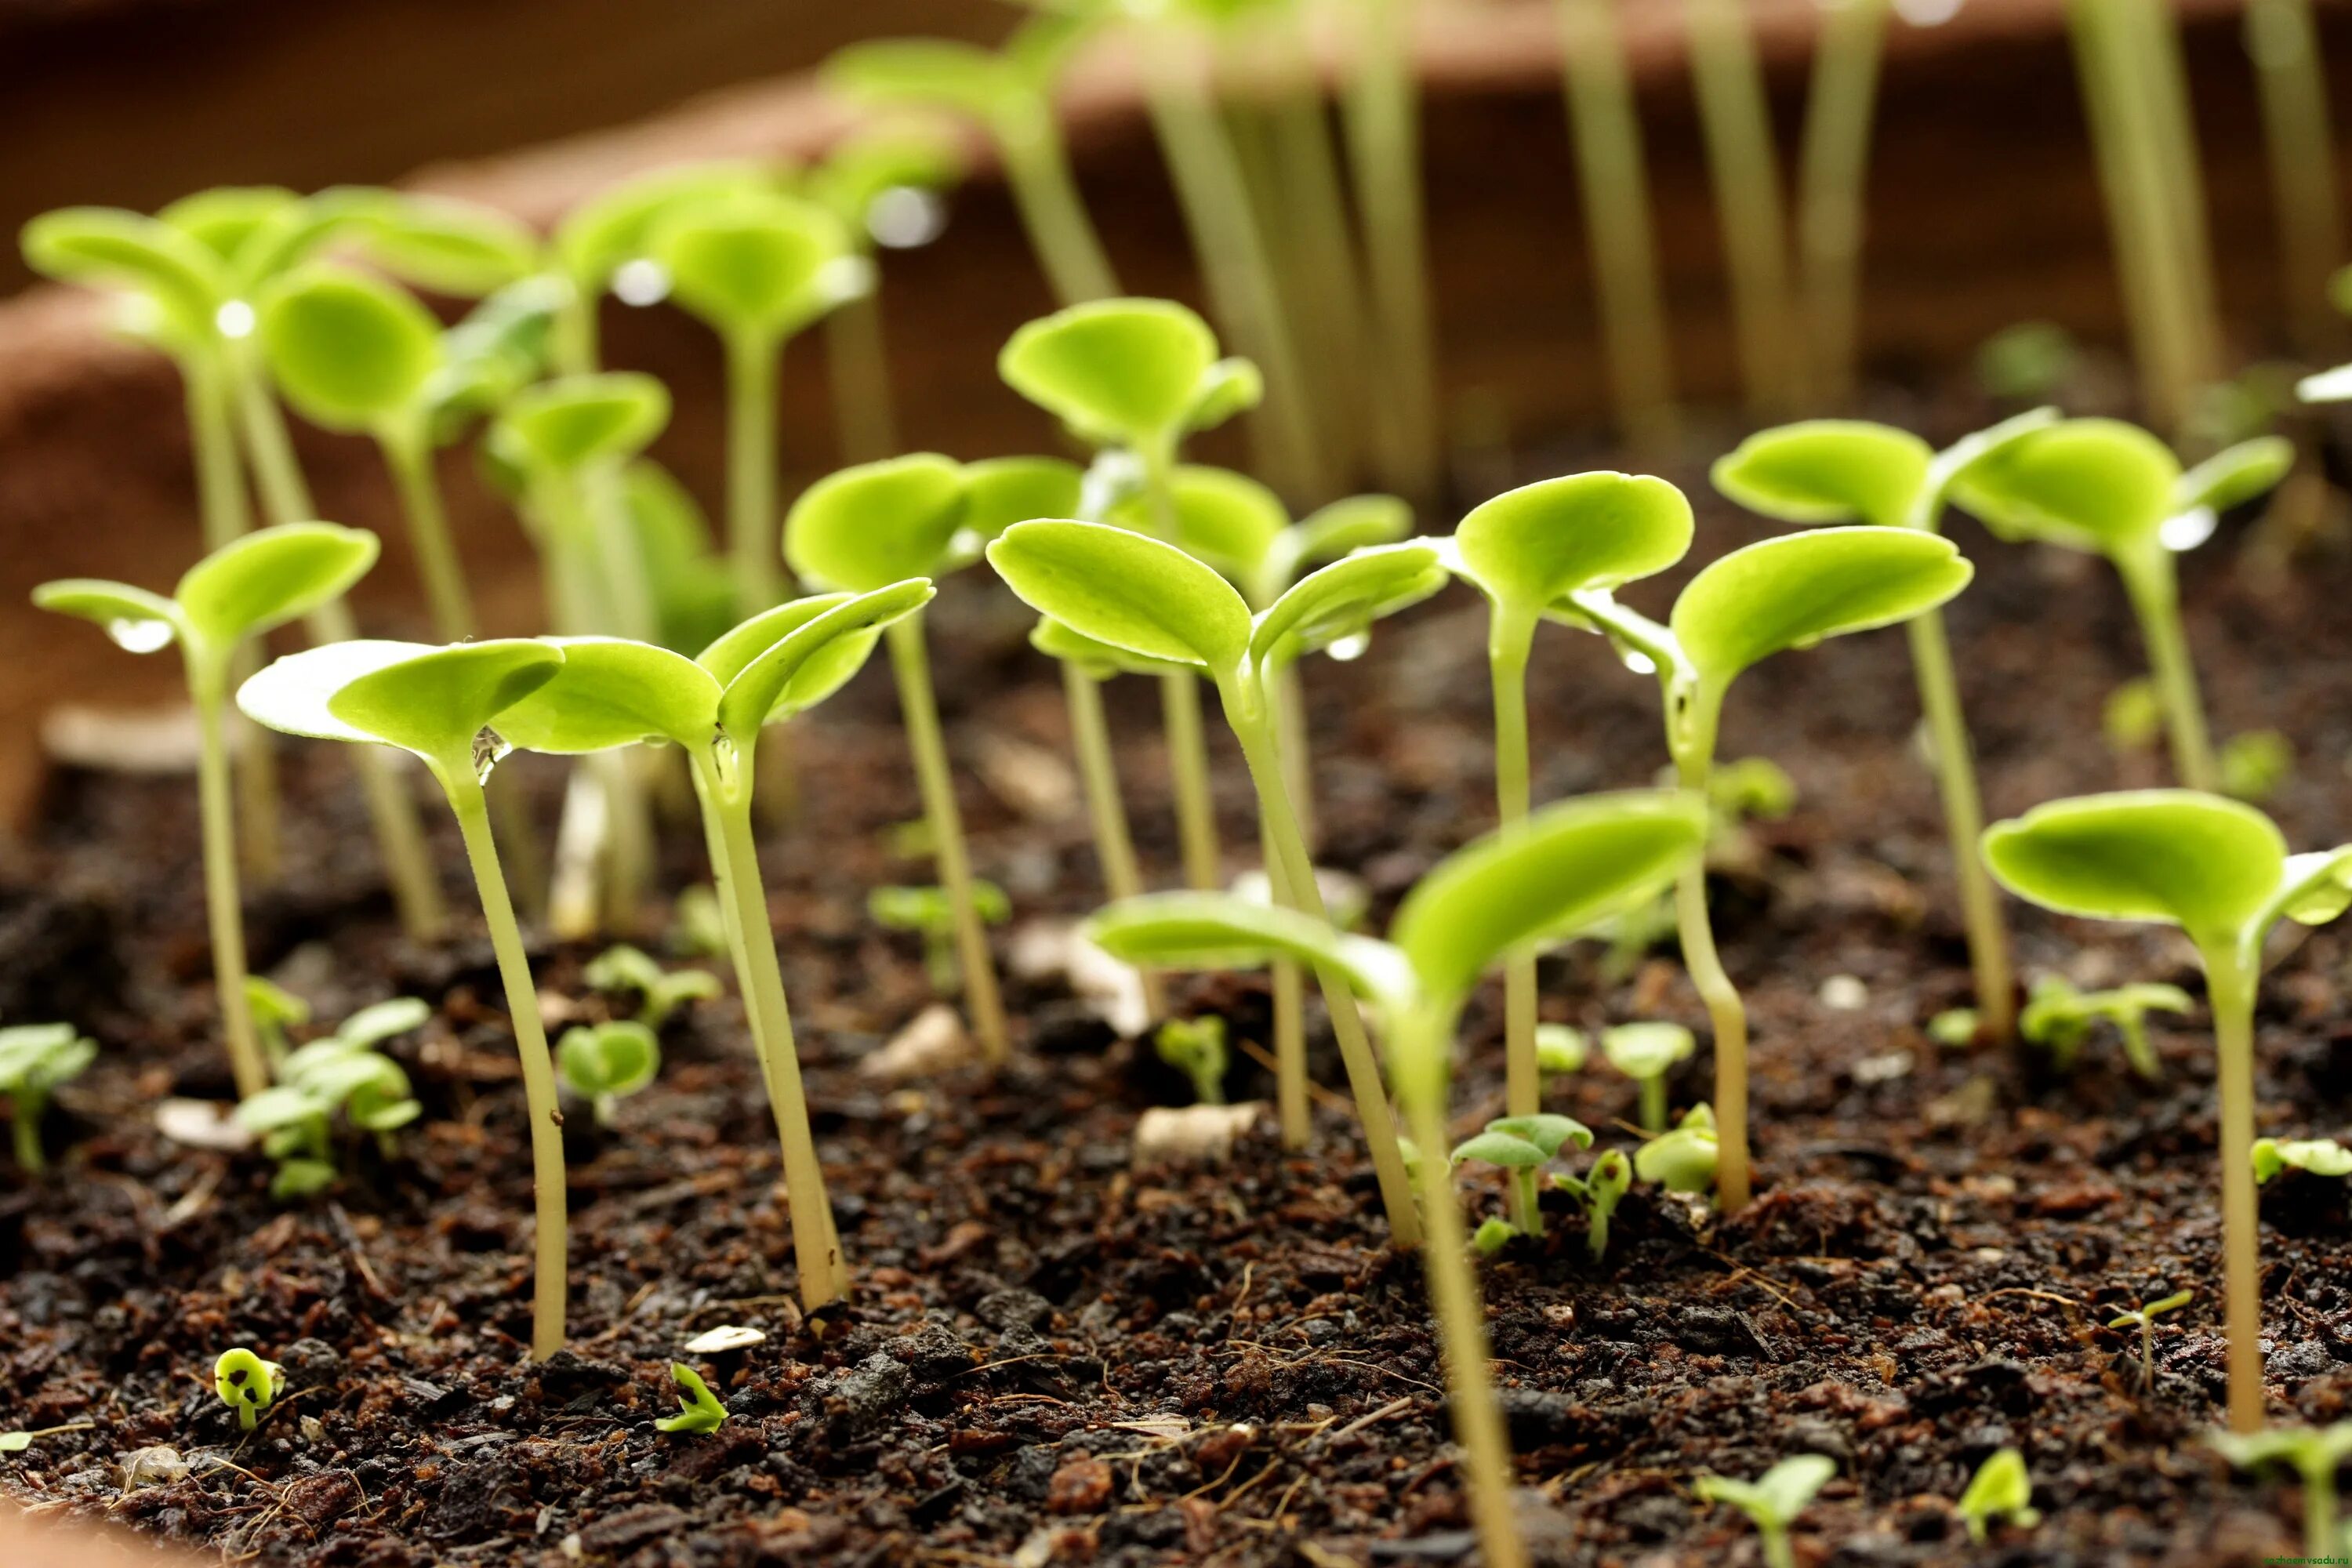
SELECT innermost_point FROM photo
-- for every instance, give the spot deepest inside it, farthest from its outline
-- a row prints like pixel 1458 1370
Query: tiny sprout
pixel 1560 1049
pixel 700 930
pixel 1493 1235
pixel 1600 1190
pixel 2254 765
pixel 605 1062
pixel 931 914
pixel 2132 719
pixel 1685 1160
pixel 2313 1453
pixel 275 1009
pixel 1954 1028
pixel 35 1058
pixel 2001 1489
pixel 1774 1500
pixel 2143 1318
pixel 627 970
pixel 1646 1053
pixel 2313 1156
pixel 2058 1017
pixel 1196 1048
pixel 1521 1145
pixel 246 1383
pixel 699 1409
pixel 343 1071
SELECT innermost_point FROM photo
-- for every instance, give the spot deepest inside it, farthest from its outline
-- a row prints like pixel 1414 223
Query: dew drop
pixel 140 636
pixel 2188 529
pixel 1350 647
pixel 1639 663
pixel 642 281
pixel 905 217
pixel 235 319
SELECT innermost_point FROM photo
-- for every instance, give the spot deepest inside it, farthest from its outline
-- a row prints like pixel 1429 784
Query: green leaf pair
pixel 1136 373
pixel 604 1063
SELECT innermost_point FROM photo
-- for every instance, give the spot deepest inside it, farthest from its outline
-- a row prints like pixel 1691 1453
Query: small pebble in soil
pixel 1844 993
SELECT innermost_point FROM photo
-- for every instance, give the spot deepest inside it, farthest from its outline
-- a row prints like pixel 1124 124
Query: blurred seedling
pixel 604 1063
pixel 35 1058
pixel 1560 1050
pixel 342 1072
pixel 1685 1160
pixel 17 1442
pixel 605 244
pixel 2313 1156
pixel 2314 1454
pixel 2255 765
pixel 624 971
pixel 1600 1190
pixel 1196 1048
pixel 931 913
pixel 1520 1146
pixel 699 1409
pixel 275 1011
pixel 1772 1501
pixel 248 1384
pixel 2143 1318
pixel 2059 1018
pixel 2001 1489
pixel 1646 1053
pixel 699 924
pixel 2220 871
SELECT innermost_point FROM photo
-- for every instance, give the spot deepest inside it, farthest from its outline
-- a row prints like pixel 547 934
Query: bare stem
pixel 751 537
pixel 409 456
pixel 227 515
pixel 859 368
pixel 2149 579
pixel 2284 43
pixel 1835 164
pixel 1507 648
pixel 1382 123
pixel 217 811
pixel 1037 168
pixel 1956 777
pixel 1739 149
pixel 2230 982
pixel 1106 808
pixel 1289 1018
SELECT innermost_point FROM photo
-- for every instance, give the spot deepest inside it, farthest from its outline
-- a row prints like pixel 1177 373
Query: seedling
pixel 1560 1050
pixel 1563 867
pixel 613 694
pixel 1646 1053
pixel 2255 764
pixel 2313 1453
pixel 1850 472
pixel 931 914
pixel 2314 1156
pixel 2220 871
pixel 275 1010
pixel 1521 1146
pixel 2113 489
pixel 248 1384
pixel 1525 550
pixel 604 242
pixel 241 590
pixel 35 1058
pixel 1600 1191
pixel 438 705
pixel 1772 1501
pixel 2058 1019
pixel 604 1063
pixel 2001 1489
pixel 1150 598
pixel 342 1072
pixel 1687 1160
pixel 1196 1048
pixel 699 1409
pixel 1778 593
pixel 2143 1318
pixel 622 970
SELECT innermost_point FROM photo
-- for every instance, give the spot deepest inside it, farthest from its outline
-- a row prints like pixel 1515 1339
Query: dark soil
pixel 1054 1358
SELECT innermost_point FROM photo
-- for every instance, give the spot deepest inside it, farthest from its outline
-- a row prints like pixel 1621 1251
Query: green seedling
pixel 1850 472
pixel 248 1384
pixel 1772 1501
pixel 2314 1156
pixel 1779 594
pixel 1600 1191
pixel 604 1063
pixel 930 914
pixel 604 245
pixel 17 1442
pixel 342 1072
pixel 1152 599
pixel 1562 868
pixel 438 705
pixel 1196 1048
pixel 1686 1159
pixel 2029 363
pixel 1521 1146
pixel 243 589
pixel 2143 1318
pixel 2058 1019
pixel 35 1058
pixel 622 970
pixel 700 930
pixel 275 1010
pixel 2254 767
pixel 757 267
pixel 2314 1454
pixel 1527 549
pixel 1560 1050
pixel 2001 1489
pixel 612 693
pixel 1646 1053
pixel 439 244
pixel 2220 871
pixel 699 1409
pixel 1493 1235
pixel 2113 489
pixel 863 529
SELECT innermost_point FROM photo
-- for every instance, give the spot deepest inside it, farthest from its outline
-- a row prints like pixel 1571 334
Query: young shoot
pixel 341 1072
pixel 438 704
pixel 2220 871
pixel 1778 593
pixel 275 1010
pixel 603 246
pixel 1560 1050
pixel 1521 1146
pixel 930 914
pixel 1565 866
pixel 604 1063
pixel 1772 1501
pixel 2001 1489
pixel 1646 1053
pixel 35 1058
pixel 2314 1454
pixel 1600 1190
pixel 2313 1156
pixel 2143 1318
pixel 243 589
pixel 699 1409
pixel 248 1384
pixel 2059 1018
pixel 624 971
pixel 1196 1048
pixel 1686 1159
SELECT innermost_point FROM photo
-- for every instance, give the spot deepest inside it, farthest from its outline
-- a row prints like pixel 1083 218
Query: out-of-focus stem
pixel 1382 123
pixel 2291 75
pixel 1834 169
pixel 751 537
pixel 859 367
pixel 1740 146
pixel 1105 806
pixel 1037 168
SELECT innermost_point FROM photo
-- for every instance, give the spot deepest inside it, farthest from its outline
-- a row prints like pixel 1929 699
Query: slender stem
pixel 1037 168
pixel 1245 712
pixel 1180 718
pixel 2319 1537
pixel 1739 129
pixel 858 365
pixel 751 537
pixel 1692 742
pixel 1653 1103
pixel 1835 164
pixel 1106 808
pixel 573 342
pixel 2230 979
pixel 2291 75
pixel 1508 642
pixel 1774 1538
pixel 1382 123
pixel 2149 579
pixel 227 515
pixel 1462 1328
pixel 215 802
pixel 25 1130
pixel 1616 188
pixel 409 455
pixel 1289 699
pixel 1955 779
pixel 910 663
pixel 548 1294
pixel 1289 1017
pixel 2163 69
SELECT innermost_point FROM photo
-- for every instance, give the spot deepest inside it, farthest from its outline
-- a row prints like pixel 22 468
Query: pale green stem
pixel 910 663
pixel 2291 75
pixel 573 342
pixel 1692 742
pixel 1508 642
pixel 25 1130
pixel 227 515
pixel 409 455
pixel 1290 1018
pixel 1037 168
pixel 216 809
pixel 1955 778
pixel 751 537
pixel 1180 719
pixel 2320 1540
pixel 548 1294
pixel 2230 977
pixel 1106 808
pixel 1653 1103
pixel 858 365
pixel 1834 166
pixel 1382 123
pixel 2149 577
pixel 1774 1537
pixel 1739 147
pixel 1289 699
pixel 1616 189
pixel 2164 70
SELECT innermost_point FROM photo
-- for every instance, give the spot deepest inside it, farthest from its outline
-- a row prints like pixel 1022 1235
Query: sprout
pixel 2132 718
pixel 1493 1235
pixel 275 1009
pixel 2110 489
pixel 1564 867
pixel 343 1071
pixel 35 1058
pixel 1560 1049
pixel 2314 1156
pixel 603 1062
pixel 438 704
pixel 2254 765
pixel 701 927
pixel 1773 595
pixel 1600 1191
pixel 699 1409
pixel 2220 870
pixel 1686 1159
pixel 1521 1145
pixel 1196 1048
pixel 2313 1453
pixel 1646 1053
pixel 2143 1318
pixel 626 971
pixel 604 243
pixel 2001 1489
pixel 2058 1019
pixel 260 581
pixel 1526 550
pixel 931 913
pixel 248 1384
pixel 1772 1501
